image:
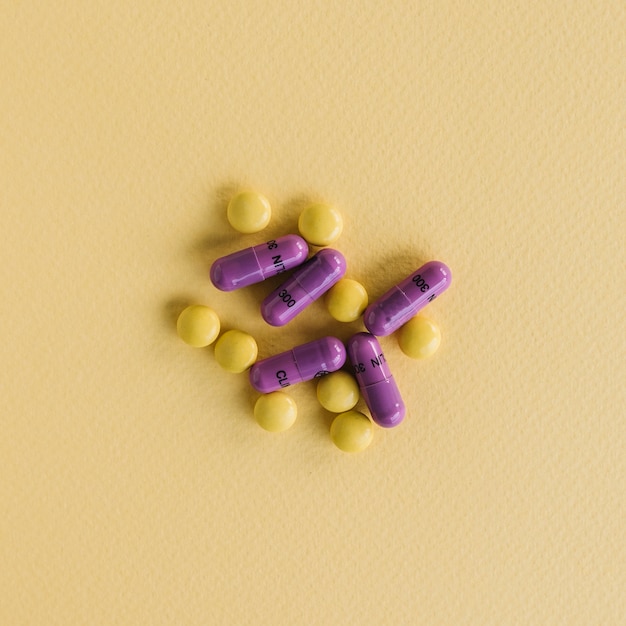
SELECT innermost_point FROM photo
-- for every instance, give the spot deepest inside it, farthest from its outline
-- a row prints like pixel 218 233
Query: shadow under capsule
pixel 389 270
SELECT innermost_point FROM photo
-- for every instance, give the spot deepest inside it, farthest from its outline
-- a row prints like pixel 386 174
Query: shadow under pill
pixel 288 213
pixel 173 308
pixel 380 279
pixel 222 197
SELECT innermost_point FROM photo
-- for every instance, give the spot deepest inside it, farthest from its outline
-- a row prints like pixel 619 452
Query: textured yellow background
pixel 135 486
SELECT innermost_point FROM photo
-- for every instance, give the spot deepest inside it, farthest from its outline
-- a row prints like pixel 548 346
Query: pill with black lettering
pixel 306 362
pixel 402 302
pixel 255 264
pixel 377 385
pixel 306 284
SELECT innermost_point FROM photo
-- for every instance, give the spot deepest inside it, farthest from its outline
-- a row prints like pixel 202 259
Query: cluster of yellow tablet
pixel 236 351
pixel 351 431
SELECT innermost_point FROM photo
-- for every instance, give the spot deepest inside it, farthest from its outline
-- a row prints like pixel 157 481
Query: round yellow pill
pixel 198 325
pixel 338 392
pixel 346 300
pixel 275 411
pixel 352 431
pixel 419 338
pixel 320 224
pixel 249 212
pixel 236 351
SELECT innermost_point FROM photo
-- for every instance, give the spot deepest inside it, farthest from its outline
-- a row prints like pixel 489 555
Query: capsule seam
pixel 295 362
pixel 258 263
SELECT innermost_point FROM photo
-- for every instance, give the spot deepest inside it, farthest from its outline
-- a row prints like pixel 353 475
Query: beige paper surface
pixel 136 487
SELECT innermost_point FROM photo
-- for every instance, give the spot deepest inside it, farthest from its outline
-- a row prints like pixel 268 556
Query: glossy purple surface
pixel 380 392
pixel 405 300
pixel 305 362
pixel 306 284
pixel 252 265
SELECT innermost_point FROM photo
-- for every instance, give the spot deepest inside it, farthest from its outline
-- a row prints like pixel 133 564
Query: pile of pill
pixel 338 391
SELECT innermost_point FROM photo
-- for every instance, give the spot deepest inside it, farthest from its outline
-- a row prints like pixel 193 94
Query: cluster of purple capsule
pixel 312 278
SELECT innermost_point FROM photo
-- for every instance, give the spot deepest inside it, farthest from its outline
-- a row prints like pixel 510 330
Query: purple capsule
pixel 378 387
pixel 304 286
pixel 403 301
pixel 252 265
pixel 305 362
